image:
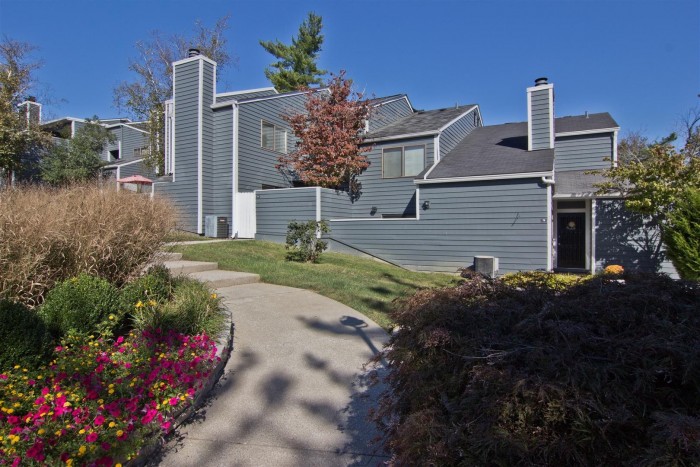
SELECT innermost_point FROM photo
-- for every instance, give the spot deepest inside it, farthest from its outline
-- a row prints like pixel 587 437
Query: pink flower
pixel 120 339
pixel 3 376
pixel 105 446
pixel 99 420
pixel 165 426
pixel 91 437
pixel 36 452
pixel 173 401
pixel 150 414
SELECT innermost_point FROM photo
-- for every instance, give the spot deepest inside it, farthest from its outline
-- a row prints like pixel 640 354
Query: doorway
pixel 571 240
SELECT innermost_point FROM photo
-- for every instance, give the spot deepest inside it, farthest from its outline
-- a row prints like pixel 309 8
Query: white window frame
pixel 403 159
pixel 275 129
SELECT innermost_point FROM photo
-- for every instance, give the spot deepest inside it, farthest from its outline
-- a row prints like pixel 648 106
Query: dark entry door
pixel 571 240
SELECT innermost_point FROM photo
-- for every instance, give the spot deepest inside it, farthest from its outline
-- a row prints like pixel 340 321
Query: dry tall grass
pixel 48 235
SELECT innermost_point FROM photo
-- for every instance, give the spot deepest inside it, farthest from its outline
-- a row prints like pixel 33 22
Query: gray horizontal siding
pixel 456 132
pixel 389 195
pixel 386 114
pixel 583 152
pixel 502 219
pixel 222 164
pixel 628 239
pixel 275 209
pixel 335 204
pixel 131 139
pixel 186 101
pixel 540 119
pixel 256 166
pixel 208 173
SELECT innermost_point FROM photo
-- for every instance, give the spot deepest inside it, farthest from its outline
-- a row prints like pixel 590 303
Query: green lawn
pixel 182 236
pixel 366 285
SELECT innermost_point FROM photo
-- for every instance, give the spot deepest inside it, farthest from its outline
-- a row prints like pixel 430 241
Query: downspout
pixel 549 182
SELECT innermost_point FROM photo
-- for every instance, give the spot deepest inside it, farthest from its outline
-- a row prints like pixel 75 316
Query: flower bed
pixel 98 402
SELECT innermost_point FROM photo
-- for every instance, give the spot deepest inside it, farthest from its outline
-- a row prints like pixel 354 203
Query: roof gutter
pixel 478 178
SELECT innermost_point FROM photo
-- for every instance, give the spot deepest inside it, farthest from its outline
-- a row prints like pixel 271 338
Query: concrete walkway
pixel 294 391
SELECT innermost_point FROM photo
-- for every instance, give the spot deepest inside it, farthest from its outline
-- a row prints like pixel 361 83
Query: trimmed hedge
pixel 605 372
pixel 24 339
pixel 80 305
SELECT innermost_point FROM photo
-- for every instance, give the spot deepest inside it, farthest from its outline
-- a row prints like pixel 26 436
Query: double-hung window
pixel 273 137
pixel 406 161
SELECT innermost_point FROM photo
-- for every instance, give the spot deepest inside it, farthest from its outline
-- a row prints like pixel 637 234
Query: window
pixel 273 137
pixel 406 161
pixel 141 152
pixel 114 154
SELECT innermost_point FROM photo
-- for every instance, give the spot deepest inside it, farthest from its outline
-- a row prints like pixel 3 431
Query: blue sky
pixel 637 59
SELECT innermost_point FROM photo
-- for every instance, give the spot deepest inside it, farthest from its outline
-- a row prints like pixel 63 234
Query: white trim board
pixel 114 166
pixel 477 178
pixel 454 120
pixel 200 155
pixel 192 59
pixel 588 132
pixel 404 136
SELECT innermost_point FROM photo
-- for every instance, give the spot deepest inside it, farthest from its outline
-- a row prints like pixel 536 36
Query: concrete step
pixel 187 267
pixel 168 256
pixel 217 279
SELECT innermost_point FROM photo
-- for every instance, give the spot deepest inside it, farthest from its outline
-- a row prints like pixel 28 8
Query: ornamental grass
pixel 48 235
pixel 98 402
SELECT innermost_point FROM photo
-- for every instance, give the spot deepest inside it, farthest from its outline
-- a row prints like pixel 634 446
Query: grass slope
pixel 365 285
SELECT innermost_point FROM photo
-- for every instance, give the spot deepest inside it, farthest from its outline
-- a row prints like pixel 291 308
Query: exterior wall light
pixel 426 204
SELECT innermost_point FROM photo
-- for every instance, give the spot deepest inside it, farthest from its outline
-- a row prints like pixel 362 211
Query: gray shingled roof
pixel 493 150
pixel 502 149
pixel 584 123
pixel 421 121
pixel 576 183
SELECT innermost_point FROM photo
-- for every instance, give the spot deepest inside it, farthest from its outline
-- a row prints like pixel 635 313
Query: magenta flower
pixel 91 437
pixel 99 420
pixel 173 401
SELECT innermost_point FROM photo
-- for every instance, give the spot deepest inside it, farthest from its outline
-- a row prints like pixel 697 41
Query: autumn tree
pixel 144 97
pixel 329 150
pixel 656 179
pixel 296 66
pixel 20 137
pixel 77 159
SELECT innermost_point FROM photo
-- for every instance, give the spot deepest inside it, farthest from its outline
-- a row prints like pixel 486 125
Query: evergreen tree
pixel 296 67
pixel 682 235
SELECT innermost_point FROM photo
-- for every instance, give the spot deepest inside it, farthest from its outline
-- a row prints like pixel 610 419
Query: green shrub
pixel 82 304
pixel 23 337
pixel 156 284
pixel 682 236
pixel 548 280
pixel 604 372
pixel 193 309
pixel 303 241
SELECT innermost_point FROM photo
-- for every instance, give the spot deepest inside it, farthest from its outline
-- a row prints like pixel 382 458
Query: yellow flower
pixel 120 432
pixel 81 432
pixel 41 431
pixel 69 462
pixel 82 450
pixel 152 302
pixel 139 304
pixel 213 296
pixel 111 391
pixel 112 424
pixel 10 411
pixel 111 317
pixel 613 269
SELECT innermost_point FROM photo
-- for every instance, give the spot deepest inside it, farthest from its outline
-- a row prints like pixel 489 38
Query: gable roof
pixel 502 149
pixel 493 150
pixel 376 101
pixel 579 123
pixel 421 122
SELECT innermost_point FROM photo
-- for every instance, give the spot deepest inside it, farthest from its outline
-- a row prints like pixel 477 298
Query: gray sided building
pixel 441 188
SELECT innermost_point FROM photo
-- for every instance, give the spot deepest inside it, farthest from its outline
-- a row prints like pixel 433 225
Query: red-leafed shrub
pixel 604 372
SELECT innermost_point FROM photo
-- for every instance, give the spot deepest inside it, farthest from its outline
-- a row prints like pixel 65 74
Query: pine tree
pixel 682 235
pixel 296 67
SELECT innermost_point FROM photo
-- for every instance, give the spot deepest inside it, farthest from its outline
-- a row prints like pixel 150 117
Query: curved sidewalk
pixel 293 392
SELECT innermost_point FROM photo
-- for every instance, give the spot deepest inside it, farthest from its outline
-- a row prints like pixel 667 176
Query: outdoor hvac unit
pixel 216 226
pixel 487 265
